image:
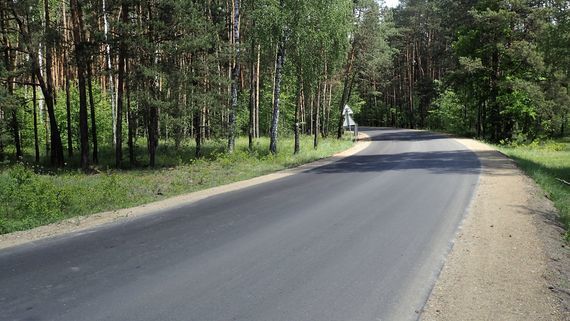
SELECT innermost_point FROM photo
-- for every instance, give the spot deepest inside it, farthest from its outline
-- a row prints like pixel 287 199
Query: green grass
pixel 545 162
pixel 31 196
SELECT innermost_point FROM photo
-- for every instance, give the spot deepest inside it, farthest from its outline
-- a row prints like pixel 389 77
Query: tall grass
pixel 34 195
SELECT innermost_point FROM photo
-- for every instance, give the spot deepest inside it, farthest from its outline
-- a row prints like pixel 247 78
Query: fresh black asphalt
pixel 363 238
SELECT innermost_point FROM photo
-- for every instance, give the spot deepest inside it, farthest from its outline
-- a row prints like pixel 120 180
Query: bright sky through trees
pixel 392 3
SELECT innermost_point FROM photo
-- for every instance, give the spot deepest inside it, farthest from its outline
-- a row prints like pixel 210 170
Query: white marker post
pixel 349 122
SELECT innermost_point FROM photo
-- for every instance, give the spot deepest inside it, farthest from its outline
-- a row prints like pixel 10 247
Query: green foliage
pixel 28 200
pixel 447 113
pixel 504 66
pixel 374 60
pixel 505 63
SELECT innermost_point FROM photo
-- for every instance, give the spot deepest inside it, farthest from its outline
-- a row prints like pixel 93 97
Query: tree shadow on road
pixel 438 162
pixel 389 134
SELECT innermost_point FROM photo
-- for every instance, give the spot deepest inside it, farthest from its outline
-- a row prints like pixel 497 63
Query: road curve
pixel 360 239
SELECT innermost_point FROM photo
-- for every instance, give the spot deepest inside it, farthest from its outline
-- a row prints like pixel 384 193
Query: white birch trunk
pixel 110 71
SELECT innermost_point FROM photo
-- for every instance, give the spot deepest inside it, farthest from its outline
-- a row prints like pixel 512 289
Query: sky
pixel 391 3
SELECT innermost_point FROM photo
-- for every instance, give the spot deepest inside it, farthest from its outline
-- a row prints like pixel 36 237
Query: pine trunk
pixel 197 120
pixel 280 61
pixel 16 134
pixel 132 125
pixel 317 115
pixel 67 76
pixel 81 61
pixel 109 67
pixel 56 146
pixel 235 79
pixel 257 80
pixel 68 111
pixel 297 147
pixel 120 88
pixel 252 95
pixel 34 106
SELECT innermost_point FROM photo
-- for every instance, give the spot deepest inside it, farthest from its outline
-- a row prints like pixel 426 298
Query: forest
pixel 496 70
pixel 86 79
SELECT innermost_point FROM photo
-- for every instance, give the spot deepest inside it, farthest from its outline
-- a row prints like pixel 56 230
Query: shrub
pixel 27 199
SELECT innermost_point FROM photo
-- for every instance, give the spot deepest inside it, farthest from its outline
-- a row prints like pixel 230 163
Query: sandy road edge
pixel 507 262
pixel 83 223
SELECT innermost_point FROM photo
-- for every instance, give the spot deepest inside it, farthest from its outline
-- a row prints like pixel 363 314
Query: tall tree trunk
pixel 409 62
pixel 317 116
pixel 323 109
pixel 251 96
pixel 152 134
pixel 34 106
pixel 346 89
pixel 257 80
pixel 311 110
pixel 302 113
pixel 81 61
pixel 297 146
pixel 493 94
pixel 479 117
pixel 109 68
pixel 15 124
pixel 131 123
pixel 197 120
pixel 328 112
pixel 280 61
pixel 9 62
pixel 37 62
pixel 93 118
pixel 121 81
pixel 67 76
pixel 2 156
pixel 16 134
pixel 56 146
pixel 68 110
pixel 235 78
pixel 392 111
pixel 153 126
pixel 323 101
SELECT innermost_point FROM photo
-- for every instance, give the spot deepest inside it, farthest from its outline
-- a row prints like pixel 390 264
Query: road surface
pixel 363 238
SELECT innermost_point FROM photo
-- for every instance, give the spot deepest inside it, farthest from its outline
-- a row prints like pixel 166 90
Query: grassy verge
pixel 31 196
pixel 545 162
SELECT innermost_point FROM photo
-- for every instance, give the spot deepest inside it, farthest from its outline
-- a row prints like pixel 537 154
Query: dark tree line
pixel 492 69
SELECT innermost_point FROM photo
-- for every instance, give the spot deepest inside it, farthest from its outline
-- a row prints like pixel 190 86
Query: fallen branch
pixel 563 181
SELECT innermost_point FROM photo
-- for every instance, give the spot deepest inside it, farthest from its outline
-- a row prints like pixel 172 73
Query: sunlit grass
pixel 33 195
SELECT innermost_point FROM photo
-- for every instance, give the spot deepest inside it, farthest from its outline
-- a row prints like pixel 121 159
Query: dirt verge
pixel 509 261
pixel 82 223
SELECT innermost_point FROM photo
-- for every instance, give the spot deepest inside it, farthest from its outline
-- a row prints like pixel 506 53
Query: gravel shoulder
pixel 508 261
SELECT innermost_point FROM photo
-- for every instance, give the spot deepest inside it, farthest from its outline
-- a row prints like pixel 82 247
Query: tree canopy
pixel 78 76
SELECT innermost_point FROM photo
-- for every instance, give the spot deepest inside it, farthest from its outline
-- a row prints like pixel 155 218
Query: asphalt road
pixel 360 239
